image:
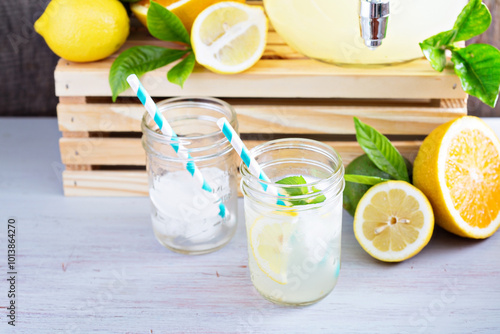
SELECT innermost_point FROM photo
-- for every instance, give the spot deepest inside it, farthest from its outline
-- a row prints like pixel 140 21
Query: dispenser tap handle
pixel 373 19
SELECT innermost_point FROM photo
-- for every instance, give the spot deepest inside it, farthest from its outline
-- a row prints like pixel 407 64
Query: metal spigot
pixel 373 18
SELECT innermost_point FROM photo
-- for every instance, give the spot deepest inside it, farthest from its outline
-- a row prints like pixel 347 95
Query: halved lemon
pixel 393 221
pixel 458 168
pixel 186 10
pixel 229 37
pixel 270 243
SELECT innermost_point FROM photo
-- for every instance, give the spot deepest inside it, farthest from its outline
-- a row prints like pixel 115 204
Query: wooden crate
pixel 285 94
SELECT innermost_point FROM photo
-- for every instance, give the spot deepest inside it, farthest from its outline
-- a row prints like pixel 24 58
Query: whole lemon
pixel 84 30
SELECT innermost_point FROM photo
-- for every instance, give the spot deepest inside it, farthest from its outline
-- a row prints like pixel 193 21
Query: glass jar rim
pixel 173 103
pixel 326 184
pixel 212 141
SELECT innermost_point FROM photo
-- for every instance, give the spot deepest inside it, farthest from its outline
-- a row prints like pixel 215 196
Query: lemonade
pixel 294 233
pixel 329 30
pixel 294 257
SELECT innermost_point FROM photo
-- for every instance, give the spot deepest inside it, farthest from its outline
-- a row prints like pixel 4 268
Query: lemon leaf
pixel 434 48
pixel 478 67
pixel 381 151
pixel 139 60
pixel 363 179
pixel 474 19
pixel 165 25
pixel 180 72
pixel 436 56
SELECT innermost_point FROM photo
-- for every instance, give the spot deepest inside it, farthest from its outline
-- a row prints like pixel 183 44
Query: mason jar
pixel 188 215
pixel 294 249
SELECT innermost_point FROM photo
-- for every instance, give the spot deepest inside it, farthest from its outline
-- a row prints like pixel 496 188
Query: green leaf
pixel 180 72
pixel 434 48
pixel 381 151
pixel 435 56
pixel 317 199
pixel 298 191
pixel 474 19
pixel 478 67
pixel 165 25
pixel 363 179
pixel 139 60
pixel 442 39
pixel 292 181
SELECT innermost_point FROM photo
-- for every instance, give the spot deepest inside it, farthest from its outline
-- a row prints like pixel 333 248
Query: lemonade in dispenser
pixel 361 32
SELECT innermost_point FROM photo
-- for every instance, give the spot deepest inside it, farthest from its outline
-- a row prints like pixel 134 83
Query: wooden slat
pixel 73 99
pixel 292 117
pixel 105 183
pixel 144 38
pixel 102 151
pixel 75 134
pixel 129 151
pixel 100 117
pixel 78 167
pixel 134 183
pixel 283 52
pixel 274 78
pixel 338 119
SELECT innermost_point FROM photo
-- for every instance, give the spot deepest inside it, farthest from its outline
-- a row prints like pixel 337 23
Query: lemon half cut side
pixel 229 37
pixel 394 221
pixel 458 168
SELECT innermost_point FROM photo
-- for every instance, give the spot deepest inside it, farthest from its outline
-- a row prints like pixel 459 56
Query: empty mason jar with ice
pixel 192 175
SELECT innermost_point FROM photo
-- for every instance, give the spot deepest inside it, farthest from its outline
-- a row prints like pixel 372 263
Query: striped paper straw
pixel 247 158
pixel 167 130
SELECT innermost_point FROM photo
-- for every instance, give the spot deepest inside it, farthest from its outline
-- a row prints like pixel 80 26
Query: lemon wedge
pixel 270 243
pixel 393 221
pixel 229 37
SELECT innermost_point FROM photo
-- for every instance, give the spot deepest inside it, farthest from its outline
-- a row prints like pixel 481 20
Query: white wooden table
pixel 92 265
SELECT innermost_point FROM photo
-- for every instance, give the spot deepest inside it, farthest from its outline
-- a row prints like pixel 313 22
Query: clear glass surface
pixel 185 217
pixel 294 251
pixel 328 30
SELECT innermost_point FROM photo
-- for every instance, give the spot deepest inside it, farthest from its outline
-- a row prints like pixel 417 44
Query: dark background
pixel 27 64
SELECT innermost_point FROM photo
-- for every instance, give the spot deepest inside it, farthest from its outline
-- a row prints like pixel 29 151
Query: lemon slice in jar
pixel 270 243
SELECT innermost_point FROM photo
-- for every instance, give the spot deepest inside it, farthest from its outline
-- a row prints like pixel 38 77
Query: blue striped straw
pixel 247 158
pixel 167 130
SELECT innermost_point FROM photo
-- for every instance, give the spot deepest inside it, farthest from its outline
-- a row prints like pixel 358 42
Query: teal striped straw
pixel 167 130
pixel 247 158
